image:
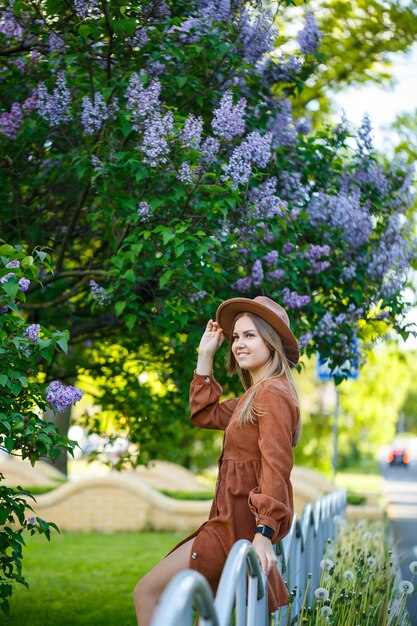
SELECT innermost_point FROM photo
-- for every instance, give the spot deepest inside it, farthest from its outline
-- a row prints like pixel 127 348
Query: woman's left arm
pixel 271 501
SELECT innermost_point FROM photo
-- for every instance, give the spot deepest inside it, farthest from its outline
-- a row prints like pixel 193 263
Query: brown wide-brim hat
pixel 270 311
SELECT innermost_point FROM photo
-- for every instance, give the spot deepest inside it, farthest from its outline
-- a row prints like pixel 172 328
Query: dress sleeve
pixel 206 410
pixel 271 502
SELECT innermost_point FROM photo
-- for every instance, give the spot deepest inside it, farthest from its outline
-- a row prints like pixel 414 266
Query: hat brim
pixel 228 310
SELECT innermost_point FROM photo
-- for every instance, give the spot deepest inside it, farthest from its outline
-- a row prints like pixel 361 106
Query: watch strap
pixel 266 531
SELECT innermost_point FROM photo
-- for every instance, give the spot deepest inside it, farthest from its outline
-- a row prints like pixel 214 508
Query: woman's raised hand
pixel 212 339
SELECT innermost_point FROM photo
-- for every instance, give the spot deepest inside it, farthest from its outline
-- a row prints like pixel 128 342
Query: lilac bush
pixel 159 152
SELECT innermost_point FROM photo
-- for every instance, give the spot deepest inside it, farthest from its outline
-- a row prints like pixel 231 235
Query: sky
pixel 384 105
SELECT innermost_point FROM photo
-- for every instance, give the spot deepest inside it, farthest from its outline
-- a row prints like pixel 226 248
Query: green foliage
pixel 23 432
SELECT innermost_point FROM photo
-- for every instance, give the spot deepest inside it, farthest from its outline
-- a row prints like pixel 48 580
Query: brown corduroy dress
pixel 253 485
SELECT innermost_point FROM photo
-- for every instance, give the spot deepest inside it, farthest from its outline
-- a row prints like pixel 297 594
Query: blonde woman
pixel 253 498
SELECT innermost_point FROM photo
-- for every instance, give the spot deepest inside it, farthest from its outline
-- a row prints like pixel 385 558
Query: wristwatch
pixel 266 531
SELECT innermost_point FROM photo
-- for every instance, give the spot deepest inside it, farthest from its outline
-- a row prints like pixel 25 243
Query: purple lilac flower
pixel 305 339
pixel 244 251
pixel 243 284
pixel 216 10
pixel 266 202
pixel 142 102
pixel 61 396
pixel 31 521
pixel 291 188
pixel 315 253
pixel 287 69
pixel 256 149
pixel 6 277
pixel 140 38
pixel 10 123
pixel 228 120
pixel 10 27
pixel 342 212
pixel 192 131
pixel 271 258
pixel 303 125
pixel 288 247
pixel 191 30
pixel 93 114
pixel 97 164
pixel 13 263
pixel 210 148
pixel 99 294
pixel 293 300
pixel 154 142
pixel 392 256
pixel 365 134
pixel 54 108
pixel 24 284
pixel 186 174
pixel 87 8
pixel 257 273
pixel 32 332
pixel 56 43
pixel 275 274
pixel 309 38
pixel 20 64
pixel 144 211
pixel 349 271
pixel 282 128
pixel 199 295
pixel 30 104
pixel 257 35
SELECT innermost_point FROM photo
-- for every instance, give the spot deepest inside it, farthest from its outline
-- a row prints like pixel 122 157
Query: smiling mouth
pixel 242 354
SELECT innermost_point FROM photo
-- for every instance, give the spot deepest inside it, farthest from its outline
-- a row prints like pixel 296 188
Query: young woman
pixel 253 498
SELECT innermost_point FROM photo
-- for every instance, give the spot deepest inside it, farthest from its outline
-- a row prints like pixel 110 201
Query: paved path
pixel 400 485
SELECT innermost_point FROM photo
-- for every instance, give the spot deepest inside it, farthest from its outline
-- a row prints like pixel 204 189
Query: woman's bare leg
pixel 149 589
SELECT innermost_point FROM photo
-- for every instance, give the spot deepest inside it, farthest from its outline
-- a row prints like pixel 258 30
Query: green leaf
pixel 27 261
pixel 119 307
pixel 7 249
pixel 63 344
pixel 3 380
pixel 11 288
pixel 9 443
pixel 130 320
pixel 165 277
pixel 84 30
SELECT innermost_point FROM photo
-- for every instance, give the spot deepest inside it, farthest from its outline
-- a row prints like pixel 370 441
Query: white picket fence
pixel 243 587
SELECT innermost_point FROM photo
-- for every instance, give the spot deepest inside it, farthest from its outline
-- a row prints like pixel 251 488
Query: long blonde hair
pixel 249 411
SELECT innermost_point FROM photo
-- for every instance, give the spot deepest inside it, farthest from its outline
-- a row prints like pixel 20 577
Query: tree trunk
pixel 62 421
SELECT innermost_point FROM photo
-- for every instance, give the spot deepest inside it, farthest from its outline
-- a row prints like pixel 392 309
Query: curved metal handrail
pixel 187 590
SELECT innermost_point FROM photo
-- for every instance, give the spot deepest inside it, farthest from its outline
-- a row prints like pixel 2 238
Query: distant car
pixel 398 456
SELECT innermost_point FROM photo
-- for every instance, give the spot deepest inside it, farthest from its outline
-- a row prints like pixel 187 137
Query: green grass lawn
pixel 84 578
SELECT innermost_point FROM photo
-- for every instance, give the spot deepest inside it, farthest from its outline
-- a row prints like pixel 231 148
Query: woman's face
pixel 249 349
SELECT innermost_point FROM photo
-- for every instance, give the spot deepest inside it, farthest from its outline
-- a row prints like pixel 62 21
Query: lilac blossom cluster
pixel 291 188
pixel 9 25
pixel 257 34
pixel 93 113
pixel 282 128
pixel 271 258
pixel 55 107
pixel 267 203
pixel 56 43
pixel 87 8
pixel 314 254
pixel 7 277
pixel 257 273
pixel 254 150
pixel 364 137
pixel 392 257
pixel 216 10
pixel 340 330
pixel 191 132
pixel 275 274
pixel 309 38
pixel 24 284
pixel 32 332
pixel 186 174
pixel 243 285
pixel 13 263
pixel 199 295
pixel 99 294
pixel 344 213
pixel 288 247
pixel 144 211
pixel 10 123
pixel 209 148
pixel 228 119
pixel 61 396
pixel 147 118
pixel 293 300
pixel 140 38
pixel 305 339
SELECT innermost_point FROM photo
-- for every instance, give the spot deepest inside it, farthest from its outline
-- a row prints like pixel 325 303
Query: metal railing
pixel 243 587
